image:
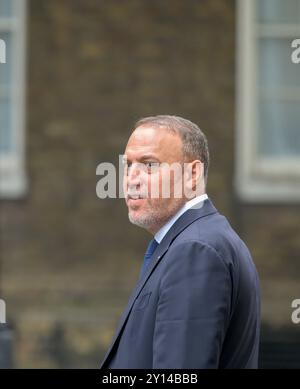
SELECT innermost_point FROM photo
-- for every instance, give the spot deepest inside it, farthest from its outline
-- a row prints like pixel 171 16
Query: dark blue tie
pixel 150 250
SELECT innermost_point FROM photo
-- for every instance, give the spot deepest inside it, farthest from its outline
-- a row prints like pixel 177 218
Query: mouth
pixel 135 194
pixel 134 199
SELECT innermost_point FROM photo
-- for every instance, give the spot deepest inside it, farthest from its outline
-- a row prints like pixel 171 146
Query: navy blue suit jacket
pixel 197 305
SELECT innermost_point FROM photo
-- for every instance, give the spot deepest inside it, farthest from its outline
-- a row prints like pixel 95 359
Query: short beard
pixel 153 222
pixel 146 222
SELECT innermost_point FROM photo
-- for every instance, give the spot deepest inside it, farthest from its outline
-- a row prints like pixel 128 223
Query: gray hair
pixel 194 142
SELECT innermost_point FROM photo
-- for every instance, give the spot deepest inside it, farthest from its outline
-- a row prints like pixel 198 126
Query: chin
pixel 145 222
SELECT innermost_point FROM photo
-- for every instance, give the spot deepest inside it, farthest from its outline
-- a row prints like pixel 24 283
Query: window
pixel 12 33
pixel 268 101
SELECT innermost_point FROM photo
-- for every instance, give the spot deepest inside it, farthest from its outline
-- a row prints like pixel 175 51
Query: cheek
pixel 166 183
pixel 154 185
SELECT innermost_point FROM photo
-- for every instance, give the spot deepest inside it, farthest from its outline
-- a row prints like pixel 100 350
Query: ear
pixel 197 172
pixel 194 178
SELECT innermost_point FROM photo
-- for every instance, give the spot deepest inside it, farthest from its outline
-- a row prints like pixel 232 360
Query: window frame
pixel 258 178
pixel 13 179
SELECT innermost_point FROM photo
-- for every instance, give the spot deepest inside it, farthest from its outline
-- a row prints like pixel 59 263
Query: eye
pixel 152 166
pixel 126 163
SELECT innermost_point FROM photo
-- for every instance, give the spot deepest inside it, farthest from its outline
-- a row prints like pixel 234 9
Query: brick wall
pixel 70 260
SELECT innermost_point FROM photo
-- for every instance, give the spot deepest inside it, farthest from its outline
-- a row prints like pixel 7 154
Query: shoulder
pixel 214 236
pixel 213 232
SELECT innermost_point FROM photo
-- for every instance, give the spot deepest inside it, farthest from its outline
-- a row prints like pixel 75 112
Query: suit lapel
pixel 185 220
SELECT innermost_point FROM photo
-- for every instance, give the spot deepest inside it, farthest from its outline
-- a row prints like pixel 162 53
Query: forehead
pixel 158 142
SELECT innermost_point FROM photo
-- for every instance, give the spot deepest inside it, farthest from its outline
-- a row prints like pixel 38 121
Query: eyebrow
pixel 143 157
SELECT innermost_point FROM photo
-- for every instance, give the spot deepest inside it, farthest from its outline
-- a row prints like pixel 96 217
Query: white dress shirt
pixel 199 200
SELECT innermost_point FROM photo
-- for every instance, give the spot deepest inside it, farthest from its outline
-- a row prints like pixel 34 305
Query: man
pixel 197 302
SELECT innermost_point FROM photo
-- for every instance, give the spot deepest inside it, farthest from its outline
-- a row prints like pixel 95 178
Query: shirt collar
pixel 189 204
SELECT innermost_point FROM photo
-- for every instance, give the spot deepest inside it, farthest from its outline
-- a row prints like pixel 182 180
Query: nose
pixel 132 176
pixel 134 172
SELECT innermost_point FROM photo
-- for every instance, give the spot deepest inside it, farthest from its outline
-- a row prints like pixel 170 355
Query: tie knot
pixel 150 250
pixel 151 247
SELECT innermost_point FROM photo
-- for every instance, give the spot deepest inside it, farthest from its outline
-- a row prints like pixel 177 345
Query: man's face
pixel 146 149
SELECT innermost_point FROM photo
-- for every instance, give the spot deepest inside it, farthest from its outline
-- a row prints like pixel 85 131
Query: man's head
pixel 163 149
